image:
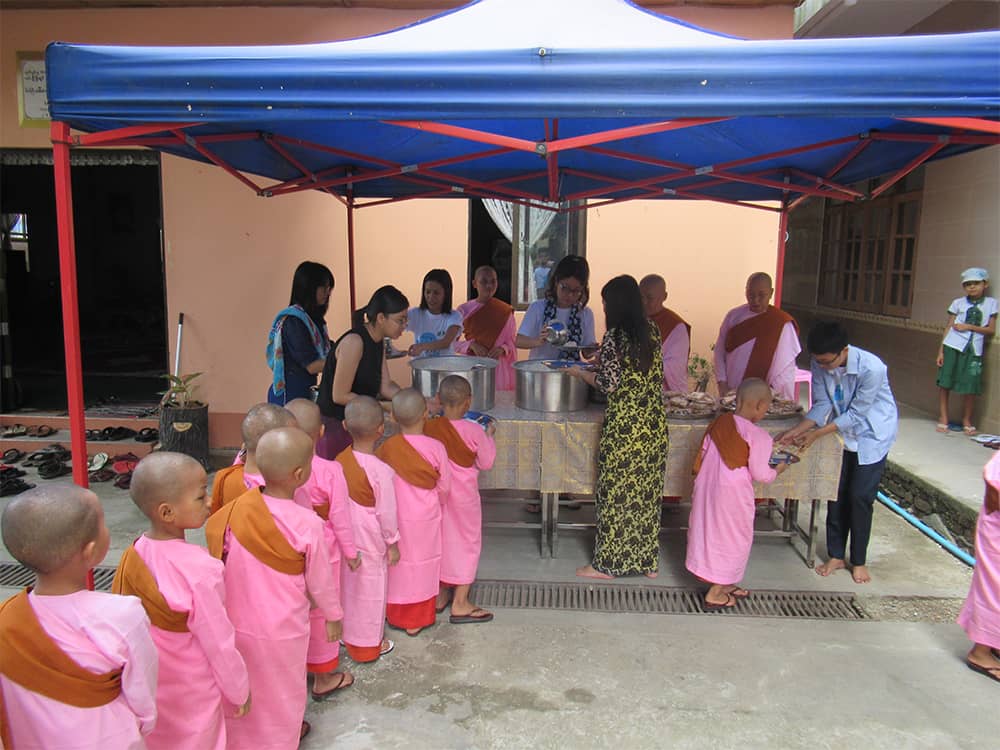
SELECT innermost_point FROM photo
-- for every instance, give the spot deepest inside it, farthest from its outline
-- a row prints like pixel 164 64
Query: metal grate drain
pixel 15 575
pixel 597 597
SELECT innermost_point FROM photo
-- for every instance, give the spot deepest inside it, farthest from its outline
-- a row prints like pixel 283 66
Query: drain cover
pixel 661 600
pixel 15 575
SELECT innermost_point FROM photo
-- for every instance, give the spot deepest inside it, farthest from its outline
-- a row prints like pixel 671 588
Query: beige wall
pixel 230 255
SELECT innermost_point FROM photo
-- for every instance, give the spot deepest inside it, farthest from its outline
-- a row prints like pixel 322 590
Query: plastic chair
pixel 804 376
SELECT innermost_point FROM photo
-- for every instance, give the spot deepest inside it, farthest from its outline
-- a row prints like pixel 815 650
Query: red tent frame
pixel 439 182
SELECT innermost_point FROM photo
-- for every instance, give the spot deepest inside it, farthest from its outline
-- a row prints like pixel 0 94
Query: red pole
pixel 779 275
pixel 350 251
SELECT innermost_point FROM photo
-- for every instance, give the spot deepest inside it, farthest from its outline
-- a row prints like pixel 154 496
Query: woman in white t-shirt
pixel 435 325
pixel 565 302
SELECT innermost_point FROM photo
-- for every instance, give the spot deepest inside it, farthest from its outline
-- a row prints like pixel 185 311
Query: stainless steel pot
pixel 428 372
pixel 540 388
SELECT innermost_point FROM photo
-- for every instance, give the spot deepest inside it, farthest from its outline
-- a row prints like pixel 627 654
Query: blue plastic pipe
pixel 928 531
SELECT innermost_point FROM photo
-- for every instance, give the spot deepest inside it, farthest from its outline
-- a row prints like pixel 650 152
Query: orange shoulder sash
pixel 408 463
pixel 733 449
pixel 486 324
pixel 358 486
pixel 666 321
pixel 29 657
pixel 765 331
pixel 134 578
pixel 228 486
pixel 253 525
pixel 442 429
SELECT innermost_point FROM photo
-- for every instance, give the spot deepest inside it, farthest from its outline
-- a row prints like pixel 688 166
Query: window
pixel 869 251
pixel 14 235
pixel 523 244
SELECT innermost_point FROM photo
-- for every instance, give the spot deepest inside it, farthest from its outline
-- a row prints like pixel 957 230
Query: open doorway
pixel 117 224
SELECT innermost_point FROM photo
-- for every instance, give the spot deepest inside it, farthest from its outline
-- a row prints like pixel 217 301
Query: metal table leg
pixel 552 501
pixel 813 533
pixel 545 533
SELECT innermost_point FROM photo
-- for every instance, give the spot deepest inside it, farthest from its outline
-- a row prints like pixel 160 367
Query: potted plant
pixel 700 371
pixel 183 418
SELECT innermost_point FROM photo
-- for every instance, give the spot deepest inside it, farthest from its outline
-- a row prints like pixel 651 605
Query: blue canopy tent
pixel 588 100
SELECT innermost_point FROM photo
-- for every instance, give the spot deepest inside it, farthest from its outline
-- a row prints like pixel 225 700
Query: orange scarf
pixel 733 449
pixel 228 486
pixel 134 578
pixel 408 463
pixel 765 331
pixel 253 525
pixel 458 452
pixel 358 487
pixel 29 657
pixel 486 324
pixel 666 321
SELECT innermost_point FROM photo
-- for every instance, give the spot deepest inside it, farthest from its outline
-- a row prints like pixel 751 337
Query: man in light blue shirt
pixel 851 395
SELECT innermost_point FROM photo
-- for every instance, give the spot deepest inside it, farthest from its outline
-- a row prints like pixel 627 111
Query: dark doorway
pixel 488 247
pixel 117 223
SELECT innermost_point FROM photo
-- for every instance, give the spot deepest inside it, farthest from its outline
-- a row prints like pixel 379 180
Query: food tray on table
pixel 780 408
pixel 694 405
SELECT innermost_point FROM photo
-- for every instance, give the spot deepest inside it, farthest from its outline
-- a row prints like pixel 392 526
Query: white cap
pixel 975 274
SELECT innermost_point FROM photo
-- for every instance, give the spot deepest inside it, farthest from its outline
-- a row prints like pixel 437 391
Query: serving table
pixel 556 453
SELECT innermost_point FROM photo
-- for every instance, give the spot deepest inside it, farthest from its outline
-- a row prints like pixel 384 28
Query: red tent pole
pixel 70 304
pixel 779 274
pixel 350 252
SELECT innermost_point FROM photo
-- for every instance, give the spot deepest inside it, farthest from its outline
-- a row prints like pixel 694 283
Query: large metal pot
pixel 428 372
pixel 539 388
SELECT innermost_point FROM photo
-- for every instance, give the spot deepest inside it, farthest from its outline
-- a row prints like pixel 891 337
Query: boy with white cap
pixel 960 358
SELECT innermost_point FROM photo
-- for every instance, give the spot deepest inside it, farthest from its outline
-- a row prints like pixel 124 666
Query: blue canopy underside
pixel 467 68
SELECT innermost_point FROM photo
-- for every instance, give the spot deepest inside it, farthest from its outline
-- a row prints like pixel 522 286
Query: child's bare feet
pixel 860 574
pixel 587 571
pixel 830 566
pixel 325 685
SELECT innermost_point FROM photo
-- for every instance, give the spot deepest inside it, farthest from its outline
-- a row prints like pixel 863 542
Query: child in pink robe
pixel 372 511
pixel 980 615
pixel 202 676
pixel 734 454
pixel 60 529
pixel 470 449
pixel 422 482
pixel 504 349
pixel 269 608
pixel 325 493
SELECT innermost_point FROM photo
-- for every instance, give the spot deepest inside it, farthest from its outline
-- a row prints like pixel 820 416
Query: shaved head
pixel 283 450
pixel 653 281
pixel 262 418
pixel 363 416
pixel 45 527
pixel 408 406
pixel 653 291
pixel 307 414
pixel 453 390
pixel 160 478
pixel 759 291
pixel 753 390
pixel 760 278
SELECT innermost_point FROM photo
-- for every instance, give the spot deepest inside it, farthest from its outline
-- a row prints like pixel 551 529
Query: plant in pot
pixel 700 370
pixel 183 418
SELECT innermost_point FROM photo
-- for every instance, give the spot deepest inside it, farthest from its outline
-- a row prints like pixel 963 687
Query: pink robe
pixel 980 615
pixel 675 359
pixel 731 366
pixel 202 676
pixel 100 632
pixel 417 575
pixel 720 528
pixel 270 612
pixel 364 590
pixel 326 485
pixel 462 514
pixel 505 365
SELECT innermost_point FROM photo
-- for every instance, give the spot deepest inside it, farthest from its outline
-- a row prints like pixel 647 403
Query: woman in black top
pixel 357 365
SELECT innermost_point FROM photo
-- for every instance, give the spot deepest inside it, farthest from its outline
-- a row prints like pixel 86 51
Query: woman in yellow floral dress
pixel 632 452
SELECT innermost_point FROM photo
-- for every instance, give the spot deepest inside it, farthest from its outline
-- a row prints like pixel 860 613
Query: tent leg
pixel 350 253
pixel 70 303
pixel 779 274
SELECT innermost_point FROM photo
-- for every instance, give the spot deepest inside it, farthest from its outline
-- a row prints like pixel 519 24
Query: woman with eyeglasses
pixel 357 366
pixel 565 304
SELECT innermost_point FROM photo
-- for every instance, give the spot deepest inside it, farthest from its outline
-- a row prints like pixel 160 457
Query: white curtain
pixel 500 212
pixel 533 223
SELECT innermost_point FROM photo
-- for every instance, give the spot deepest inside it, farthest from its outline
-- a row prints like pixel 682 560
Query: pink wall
pixel 230 255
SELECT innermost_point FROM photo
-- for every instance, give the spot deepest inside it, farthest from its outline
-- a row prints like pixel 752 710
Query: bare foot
pixel 737 591
pixel 587 571
pixel 327 684
pixel 831 565
pixel 651 573
pixel 860 574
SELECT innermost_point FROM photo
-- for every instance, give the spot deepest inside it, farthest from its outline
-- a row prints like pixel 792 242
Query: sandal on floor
pixel 992 672
pixel 477 615
pixel 942 428
pixel 387 646
pixel 148 435
pixel 12 455
pixel 346 680
pixel 969 430
pixel 98 462
pixel 102 475
pixel 16 430
pixel 304 732
pixel 53 469
pixel 14 487
pixel 739 593
pixel 124 481
pixel 708 606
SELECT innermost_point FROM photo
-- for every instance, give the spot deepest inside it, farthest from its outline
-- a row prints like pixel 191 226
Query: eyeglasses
pixel 567 289
pixel 827 360
pixel 401 320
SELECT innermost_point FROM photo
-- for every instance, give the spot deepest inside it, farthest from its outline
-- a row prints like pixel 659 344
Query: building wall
pixel 959 228
pixel 230 255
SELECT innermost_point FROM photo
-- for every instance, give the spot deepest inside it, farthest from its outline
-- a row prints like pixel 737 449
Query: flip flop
pixel 53 469
pixel 102 475
pixel 14 487
pixel 342 685
pixel 985 437
pixel 17 430
pixel 124 481
pixel 472 617
pixel 942 428
pixel 388 647
pixel 98 462
pixel 708 606
pixel 125 466
pixel 970 430
pixel 992 672
pixel 148 435
pixel 739 593
pixel 12 455
pixel 306 729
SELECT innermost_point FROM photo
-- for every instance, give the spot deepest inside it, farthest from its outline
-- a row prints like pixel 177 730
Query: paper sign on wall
pixel 32 94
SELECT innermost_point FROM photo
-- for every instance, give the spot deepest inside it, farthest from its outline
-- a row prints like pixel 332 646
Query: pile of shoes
pixel 50 461
pixel 988 441
pixel 123 465
pixel 10 476
pixel 35 430
pixel 110 434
